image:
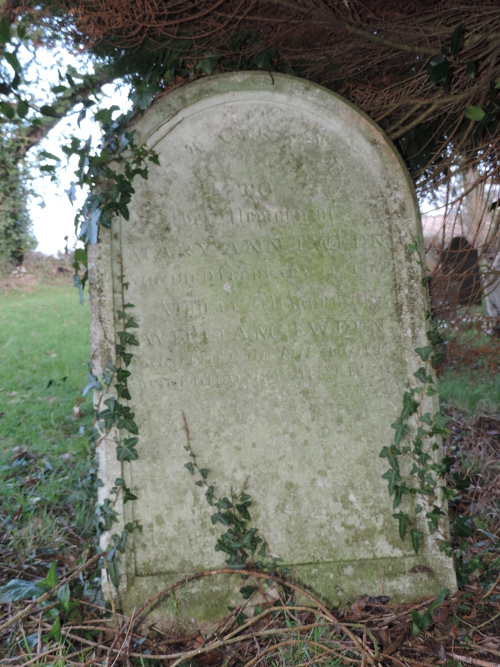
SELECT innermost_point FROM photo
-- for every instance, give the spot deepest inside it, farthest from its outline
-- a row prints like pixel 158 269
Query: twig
pixel 475 661
pixel 27 610
pixel 260 575
pixel 492 588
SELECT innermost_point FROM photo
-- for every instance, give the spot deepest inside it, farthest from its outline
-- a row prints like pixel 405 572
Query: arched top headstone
pixel 269 258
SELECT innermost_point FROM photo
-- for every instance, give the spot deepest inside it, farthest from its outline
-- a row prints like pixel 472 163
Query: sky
pixel 51 211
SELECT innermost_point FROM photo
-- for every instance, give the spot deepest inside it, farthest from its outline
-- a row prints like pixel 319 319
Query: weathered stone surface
pixel 279 309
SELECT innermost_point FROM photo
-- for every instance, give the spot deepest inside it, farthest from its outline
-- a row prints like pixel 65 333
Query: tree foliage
pixel 426 70
pixel 29 108
pixel 15 224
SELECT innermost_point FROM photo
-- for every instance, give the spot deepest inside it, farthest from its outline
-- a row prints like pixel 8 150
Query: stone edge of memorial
pixel 104 267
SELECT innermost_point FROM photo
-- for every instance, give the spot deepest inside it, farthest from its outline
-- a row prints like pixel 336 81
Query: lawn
pixel 44 426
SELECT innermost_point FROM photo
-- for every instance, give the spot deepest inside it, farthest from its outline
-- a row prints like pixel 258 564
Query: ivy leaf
pixel 424 352
pixel 404 522
pixel 207 65
pixel 122 374
pixel 456 39
pixel 124 212
pixel 126 356
pixel 71 192
pixel 104 116
pixel 93 225
pixel 18 589
pixel 127 451
pixel 247 591
pixel 93 383
pixel 142 96
pixel 416 538
pixel 209 495
pixel 439 71
pixel 122 391
pixel 392 479
pixel 80 253
pixel 462 527
pixel 426 419
pixel 393 461
pixel 471 69
pixel 128 495
pixel 462 483
pixel 190 467
pixel 421 375
pixel 243 511
pixel 401 430
pixel 219 518
pixel 5 32
pixel 474 113
pixel 410 405
pixel 7 110
pixel 264 59
pixel 439 424
pixel 435 338
pixel 47 110
pixel 224 504
pixel 128 424
pixel 114 575
pixel 400 491
pixel 81 116
pixel 22 108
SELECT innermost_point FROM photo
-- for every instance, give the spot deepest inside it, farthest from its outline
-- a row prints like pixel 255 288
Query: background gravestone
pixel 457 280
pixel 279 308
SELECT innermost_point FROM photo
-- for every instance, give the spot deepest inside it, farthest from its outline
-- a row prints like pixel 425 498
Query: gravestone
pixel 456 281
pixel 278 309
pixel 492 294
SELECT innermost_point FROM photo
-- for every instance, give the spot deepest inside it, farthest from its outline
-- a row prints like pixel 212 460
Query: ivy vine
pixel 425 480
pixel 109 173
pixel 244 547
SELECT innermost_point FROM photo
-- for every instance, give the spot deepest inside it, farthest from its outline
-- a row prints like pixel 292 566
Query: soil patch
pixel 38 269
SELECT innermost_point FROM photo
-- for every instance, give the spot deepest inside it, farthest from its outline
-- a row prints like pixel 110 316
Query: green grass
pixel 44 349
pixel 470 391
pixel 45 489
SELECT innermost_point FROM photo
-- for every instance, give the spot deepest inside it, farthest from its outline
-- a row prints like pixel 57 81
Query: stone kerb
pixel 279 310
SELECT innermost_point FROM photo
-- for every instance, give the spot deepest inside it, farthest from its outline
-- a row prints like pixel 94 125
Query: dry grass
pixel 463 630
